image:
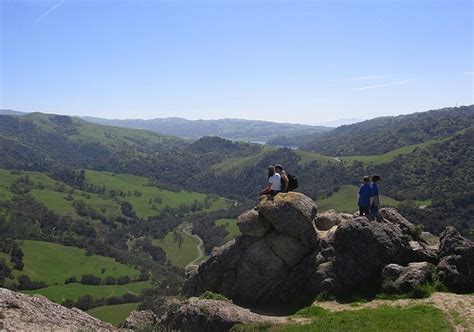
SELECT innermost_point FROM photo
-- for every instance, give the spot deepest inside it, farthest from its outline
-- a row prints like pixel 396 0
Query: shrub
pixel 208 295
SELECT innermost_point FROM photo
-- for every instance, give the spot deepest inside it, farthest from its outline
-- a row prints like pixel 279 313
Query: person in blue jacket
pixel 364 197
pixel 374 195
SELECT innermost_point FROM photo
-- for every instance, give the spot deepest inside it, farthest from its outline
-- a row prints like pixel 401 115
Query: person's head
pixel 278 168
pixel 271 170
pixel 376 178
pixel 366 179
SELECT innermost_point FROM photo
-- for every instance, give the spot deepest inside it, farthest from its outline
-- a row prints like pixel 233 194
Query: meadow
pixel 230 226
pixel 53 263
pixel 114 314
pixel 180 247
pixel 149 200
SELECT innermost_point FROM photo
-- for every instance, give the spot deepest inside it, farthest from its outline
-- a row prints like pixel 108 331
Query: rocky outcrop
pixel 20 312
pixel 140 320
pixel 400 279
pixel 290 253
pixel 456 266
pixel 205 315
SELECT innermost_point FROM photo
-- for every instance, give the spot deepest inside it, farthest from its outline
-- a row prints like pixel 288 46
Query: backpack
pixel 292 182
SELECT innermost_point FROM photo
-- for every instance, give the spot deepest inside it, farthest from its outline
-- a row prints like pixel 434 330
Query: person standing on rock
pixel 273 186
pixel 364 197
pixel 374 196
pixel 284 178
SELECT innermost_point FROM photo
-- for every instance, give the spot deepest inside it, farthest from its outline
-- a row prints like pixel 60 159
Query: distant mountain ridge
pixel 232 129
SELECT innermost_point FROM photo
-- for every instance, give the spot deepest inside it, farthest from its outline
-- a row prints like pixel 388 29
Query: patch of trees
pixel 5 272
pixel 24 283
pixel 87 302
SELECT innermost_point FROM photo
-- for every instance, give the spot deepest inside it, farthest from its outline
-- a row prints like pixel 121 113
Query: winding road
pixel 199 247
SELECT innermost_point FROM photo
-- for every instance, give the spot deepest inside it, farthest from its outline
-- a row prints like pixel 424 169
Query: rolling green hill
pixel 114 314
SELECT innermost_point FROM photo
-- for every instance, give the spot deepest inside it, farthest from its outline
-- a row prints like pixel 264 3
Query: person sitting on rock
pixel 374 196
pixel 273 186
pixel 284 177
pixel 364 197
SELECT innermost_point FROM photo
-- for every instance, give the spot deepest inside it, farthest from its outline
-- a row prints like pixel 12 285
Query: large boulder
pixel 328 219
pixel 399 279
pixel 205 315
pixel 456 266
pixel 291 214
pixel 363 248
pixel 252 223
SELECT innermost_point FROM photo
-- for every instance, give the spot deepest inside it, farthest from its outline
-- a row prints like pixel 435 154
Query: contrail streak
pixel 50 10
pixel 379 85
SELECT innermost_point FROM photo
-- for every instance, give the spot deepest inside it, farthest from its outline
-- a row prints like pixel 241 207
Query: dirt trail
pixel 459 309
pixel 199 247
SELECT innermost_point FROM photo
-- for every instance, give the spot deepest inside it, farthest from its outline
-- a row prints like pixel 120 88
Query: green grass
pixel 389 156
pixel 59 293
pixel 178 255
pixel 113 314
pixel 6 257
pixel 230 226
pixel 53 263
pixel 345 200
pixel 141 204
pixel 383 318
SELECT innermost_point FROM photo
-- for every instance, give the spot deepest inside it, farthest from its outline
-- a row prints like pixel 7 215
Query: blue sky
pixel 284 61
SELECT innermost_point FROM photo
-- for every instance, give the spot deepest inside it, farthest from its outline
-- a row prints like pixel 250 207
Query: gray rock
pixel 456 267
pixel 140 320
pixel 363 248
pixel 328 219
pixel 292 214
pixel 429 239
pixel 421 252
pixel 253 224
pixel 286 248
pixel 405 279
pixel 20 312
pixel 209 315
pixel 393 216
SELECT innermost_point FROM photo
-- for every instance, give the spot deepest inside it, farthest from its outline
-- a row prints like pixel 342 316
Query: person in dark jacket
pixel 364 197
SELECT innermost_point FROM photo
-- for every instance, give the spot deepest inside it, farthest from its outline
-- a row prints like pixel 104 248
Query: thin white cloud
pixel 50 10
pixel 468 73
pixel 380 85
pixel 361 78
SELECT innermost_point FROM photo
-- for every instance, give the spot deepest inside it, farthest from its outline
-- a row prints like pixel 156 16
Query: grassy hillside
pixel 54 263
pixel 56 195
pixel 383 318
pixel 114 314
pixel 389 156
pixel 345 200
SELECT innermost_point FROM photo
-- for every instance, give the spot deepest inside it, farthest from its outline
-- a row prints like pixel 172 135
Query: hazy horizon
pixel 302 62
